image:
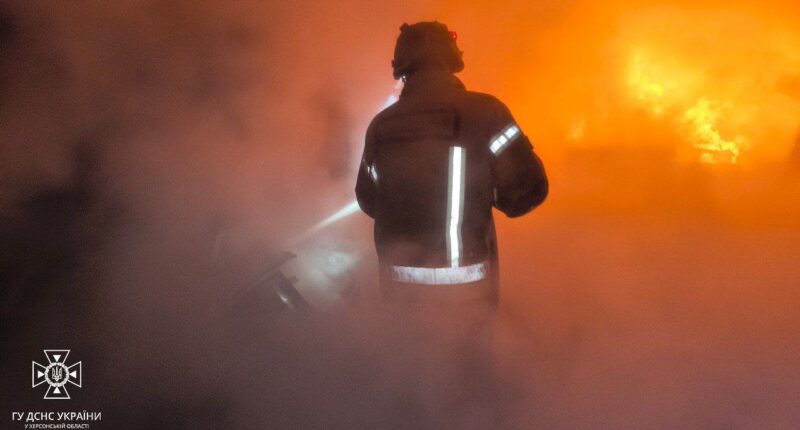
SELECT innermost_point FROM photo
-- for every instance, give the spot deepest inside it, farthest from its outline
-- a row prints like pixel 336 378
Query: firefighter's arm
pixel 520 182
pixel 366 184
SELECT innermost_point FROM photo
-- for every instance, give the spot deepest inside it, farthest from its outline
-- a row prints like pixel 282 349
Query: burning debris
pixel 666 89
pixel 272 292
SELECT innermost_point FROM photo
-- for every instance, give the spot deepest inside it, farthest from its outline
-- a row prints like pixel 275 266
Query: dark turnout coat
pixel 434 165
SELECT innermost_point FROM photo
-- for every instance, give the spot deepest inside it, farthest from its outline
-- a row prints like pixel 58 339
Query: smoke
pixel 155 156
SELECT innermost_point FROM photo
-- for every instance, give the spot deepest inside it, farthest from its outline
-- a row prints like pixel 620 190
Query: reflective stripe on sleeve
pixel 373 173
pixel 440 275
pixel 504 138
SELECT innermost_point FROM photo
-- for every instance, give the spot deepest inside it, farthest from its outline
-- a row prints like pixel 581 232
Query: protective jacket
pixel 434 165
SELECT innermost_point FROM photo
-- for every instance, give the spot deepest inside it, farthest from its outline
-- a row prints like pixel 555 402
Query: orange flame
pixel 666 87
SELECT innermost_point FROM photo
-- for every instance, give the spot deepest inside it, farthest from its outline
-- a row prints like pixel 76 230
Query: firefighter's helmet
pixel 425 44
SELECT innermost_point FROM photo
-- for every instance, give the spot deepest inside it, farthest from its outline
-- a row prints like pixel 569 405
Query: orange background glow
pixel 659 283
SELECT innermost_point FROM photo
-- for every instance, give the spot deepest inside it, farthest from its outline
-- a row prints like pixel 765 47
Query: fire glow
pixel 704 82
pixel 662 90
pixel 716 82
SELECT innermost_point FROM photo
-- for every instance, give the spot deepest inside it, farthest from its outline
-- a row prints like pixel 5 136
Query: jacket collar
pixel 429 80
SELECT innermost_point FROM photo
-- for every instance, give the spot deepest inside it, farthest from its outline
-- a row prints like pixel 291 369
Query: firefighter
pixel 434 165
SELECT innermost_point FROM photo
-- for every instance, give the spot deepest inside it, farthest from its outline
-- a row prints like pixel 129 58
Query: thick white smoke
pixel 156 155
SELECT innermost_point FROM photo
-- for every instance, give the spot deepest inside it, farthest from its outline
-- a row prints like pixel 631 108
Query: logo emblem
pixel 56 374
